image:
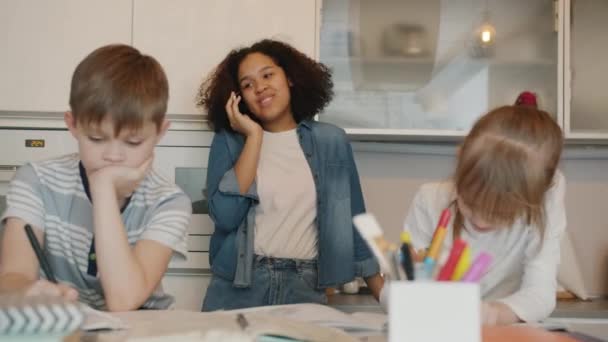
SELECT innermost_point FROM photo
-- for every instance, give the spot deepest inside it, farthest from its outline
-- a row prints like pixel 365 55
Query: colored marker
pixel 439 236
pixel 448 268
pixel 480 265
pixel 463 264
pixel 406 257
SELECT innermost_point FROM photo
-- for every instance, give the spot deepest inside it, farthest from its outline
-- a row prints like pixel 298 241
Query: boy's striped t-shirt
pixel 52 195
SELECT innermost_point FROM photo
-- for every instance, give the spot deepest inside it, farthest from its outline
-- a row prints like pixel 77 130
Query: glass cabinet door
pixel 433 66
pixel 586 105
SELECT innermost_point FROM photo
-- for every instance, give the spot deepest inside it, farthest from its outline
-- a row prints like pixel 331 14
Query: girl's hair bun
pixel 526 98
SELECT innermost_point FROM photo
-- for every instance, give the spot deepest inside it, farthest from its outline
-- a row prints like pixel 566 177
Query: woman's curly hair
pixel 311 90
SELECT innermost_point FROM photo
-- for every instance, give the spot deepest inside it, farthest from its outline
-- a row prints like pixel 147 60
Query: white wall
pixel 390 181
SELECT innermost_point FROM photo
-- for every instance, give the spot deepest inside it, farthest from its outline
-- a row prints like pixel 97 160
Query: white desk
pixel 158 323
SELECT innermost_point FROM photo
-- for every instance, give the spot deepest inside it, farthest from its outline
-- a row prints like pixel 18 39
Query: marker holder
pixel 434 311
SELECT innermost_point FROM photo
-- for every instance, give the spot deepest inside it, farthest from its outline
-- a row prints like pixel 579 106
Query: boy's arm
pixel 128 275
pixel 19 265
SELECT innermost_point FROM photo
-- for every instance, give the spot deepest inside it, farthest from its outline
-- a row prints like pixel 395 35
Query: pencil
pixel 46 267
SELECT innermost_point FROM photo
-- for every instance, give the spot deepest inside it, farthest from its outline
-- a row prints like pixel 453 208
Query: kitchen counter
pixel 596 308
pixel 593 309
pixel 354 303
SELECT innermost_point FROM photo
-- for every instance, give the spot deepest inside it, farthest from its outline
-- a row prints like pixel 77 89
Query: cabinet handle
pixel 7 172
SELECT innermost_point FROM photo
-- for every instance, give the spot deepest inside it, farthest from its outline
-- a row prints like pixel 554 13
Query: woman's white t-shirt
pixel 285 218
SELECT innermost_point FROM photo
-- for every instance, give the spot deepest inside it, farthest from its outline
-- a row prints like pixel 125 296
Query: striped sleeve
pixel 24 198
pixel 169 222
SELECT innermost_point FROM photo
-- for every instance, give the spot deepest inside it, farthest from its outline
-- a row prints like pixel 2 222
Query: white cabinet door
pixel 190 37
pixel 43 41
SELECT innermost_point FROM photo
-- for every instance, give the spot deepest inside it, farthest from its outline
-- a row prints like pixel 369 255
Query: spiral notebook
pixel 36 316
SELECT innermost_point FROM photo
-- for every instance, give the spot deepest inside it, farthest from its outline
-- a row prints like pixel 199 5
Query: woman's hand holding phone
pixel 240 122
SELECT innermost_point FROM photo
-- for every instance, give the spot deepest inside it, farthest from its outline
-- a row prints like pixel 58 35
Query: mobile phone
pixel 243 107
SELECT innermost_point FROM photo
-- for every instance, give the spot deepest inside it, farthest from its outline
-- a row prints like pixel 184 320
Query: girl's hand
pixel 383 298
pixel 489 314
pixel 46 288
pixel 240 122
pixel 417 255
pixel 497 313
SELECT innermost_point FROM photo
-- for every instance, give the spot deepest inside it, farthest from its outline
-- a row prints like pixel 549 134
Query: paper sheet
pixel 99 320
pixel 170 323
pixel 323 315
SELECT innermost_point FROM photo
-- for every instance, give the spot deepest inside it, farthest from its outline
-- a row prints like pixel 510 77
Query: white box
pixel 434 311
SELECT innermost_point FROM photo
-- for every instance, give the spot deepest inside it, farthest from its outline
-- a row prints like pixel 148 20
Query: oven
pixel 182 157
pixel 19 146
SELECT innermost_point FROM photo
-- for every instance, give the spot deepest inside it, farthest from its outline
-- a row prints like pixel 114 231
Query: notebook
pixel 38 316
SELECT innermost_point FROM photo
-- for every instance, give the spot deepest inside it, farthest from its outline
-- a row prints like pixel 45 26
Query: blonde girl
pixel 507 199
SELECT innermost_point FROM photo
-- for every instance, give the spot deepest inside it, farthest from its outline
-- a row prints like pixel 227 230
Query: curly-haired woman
pixel 282 187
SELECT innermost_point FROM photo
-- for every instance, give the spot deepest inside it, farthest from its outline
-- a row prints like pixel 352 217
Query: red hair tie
pixel 526 98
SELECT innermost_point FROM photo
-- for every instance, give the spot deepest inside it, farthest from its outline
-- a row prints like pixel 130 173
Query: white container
pixel 434 311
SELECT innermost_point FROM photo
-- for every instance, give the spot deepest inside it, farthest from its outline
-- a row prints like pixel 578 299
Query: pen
pixel 438 237
pixel 242 321
pixel 406 256
pixel 481 263
pixel 437 240
pixel 448 269
pixel 46 267
pixel 463 264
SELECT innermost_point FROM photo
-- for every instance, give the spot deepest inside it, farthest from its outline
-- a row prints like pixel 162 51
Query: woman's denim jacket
pixel 342 253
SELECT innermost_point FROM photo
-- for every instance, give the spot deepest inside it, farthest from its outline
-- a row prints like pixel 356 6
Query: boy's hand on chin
pixel 123 179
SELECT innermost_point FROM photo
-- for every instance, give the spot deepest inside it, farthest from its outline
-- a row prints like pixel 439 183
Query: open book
pixel 149 325
pixel 324 316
